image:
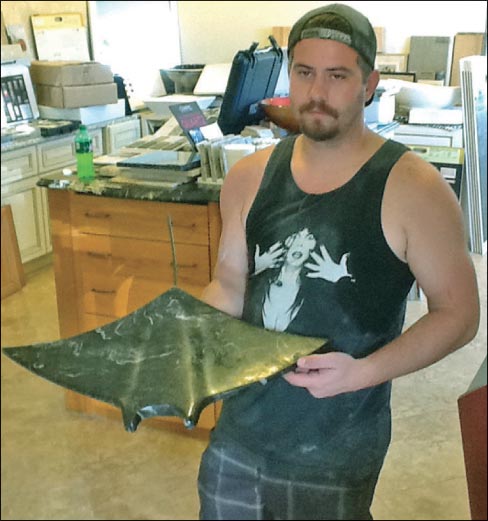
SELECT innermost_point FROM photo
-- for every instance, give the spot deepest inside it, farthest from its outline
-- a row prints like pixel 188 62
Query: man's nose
pixel 318 89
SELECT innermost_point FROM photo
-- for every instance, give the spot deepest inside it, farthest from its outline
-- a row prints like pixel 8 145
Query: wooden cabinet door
pixel 27 202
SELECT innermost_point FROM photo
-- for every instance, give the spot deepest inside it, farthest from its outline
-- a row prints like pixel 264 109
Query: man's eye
pixel 338 76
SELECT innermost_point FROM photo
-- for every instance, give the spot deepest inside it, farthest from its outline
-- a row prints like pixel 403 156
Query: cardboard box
pixel 86 115
pixel 69 73
pixel 76 96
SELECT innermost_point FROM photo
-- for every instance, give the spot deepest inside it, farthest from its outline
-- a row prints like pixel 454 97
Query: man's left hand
pixel 327 374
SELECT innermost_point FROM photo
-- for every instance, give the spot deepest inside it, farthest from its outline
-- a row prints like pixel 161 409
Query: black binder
pixel 253 77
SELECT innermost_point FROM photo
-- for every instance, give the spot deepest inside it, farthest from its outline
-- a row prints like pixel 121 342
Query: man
pixel 374 217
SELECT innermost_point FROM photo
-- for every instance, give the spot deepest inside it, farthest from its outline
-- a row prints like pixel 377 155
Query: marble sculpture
pixel 171 357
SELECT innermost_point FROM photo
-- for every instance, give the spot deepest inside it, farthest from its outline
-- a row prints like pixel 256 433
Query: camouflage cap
pixel 337 22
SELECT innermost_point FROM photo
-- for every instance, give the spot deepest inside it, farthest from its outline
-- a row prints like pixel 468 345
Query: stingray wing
pixel 171 357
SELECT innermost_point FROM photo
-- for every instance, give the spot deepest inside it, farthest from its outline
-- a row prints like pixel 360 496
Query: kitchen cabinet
pixel 113 255
pixel 122 252
pixel 21 169
pixel 24 166
pixel 118 135
pixel 59 153
pixel 30 215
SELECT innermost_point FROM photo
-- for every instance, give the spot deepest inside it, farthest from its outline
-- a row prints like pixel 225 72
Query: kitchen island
pixel 112 254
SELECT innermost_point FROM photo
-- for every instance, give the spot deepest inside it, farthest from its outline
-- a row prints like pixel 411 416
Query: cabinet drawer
pixel 116 297
pixel 90 322
pixel 18 164
pixel 61 152
pixel 139 219
pixel 125 258
pixel 118 275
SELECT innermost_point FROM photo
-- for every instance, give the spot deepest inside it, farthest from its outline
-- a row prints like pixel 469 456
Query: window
pixel 136 39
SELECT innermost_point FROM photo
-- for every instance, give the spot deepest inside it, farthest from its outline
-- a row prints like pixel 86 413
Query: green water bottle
pixel 84 155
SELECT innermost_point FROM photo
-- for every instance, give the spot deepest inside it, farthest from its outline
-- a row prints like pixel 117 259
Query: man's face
pixel 327 89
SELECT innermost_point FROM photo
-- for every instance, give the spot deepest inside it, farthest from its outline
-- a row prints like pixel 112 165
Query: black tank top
pixel 319 265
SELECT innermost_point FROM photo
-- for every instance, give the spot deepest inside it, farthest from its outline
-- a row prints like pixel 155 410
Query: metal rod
pixel 173 251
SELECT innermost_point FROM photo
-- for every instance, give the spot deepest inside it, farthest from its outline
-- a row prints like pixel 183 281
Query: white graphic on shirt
pixel 325 268
pixel 283 300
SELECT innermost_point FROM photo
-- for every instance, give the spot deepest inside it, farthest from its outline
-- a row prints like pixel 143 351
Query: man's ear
pixel 371 84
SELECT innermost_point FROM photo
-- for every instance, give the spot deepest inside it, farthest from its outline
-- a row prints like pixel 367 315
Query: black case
pixel 50 127
pixel 253 77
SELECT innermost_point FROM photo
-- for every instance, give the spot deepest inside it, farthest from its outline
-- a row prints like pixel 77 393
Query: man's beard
pixel 318 131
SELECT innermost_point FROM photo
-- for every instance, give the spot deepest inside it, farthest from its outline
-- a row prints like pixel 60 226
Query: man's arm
pixel 435 249
pixel 226 291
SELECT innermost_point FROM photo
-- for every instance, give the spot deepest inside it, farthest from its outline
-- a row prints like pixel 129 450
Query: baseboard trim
pixel 38 263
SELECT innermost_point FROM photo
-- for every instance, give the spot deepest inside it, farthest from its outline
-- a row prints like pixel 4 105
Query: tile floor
pixel 58 464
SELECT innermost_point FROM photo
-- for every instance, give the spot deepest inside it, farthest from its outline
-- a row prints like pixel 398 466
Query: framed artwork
pixel 391 62
pixel 405 76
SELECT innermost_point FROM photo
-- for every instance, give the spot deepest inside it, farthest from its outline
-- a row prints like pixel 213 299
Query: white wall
pixel 212 32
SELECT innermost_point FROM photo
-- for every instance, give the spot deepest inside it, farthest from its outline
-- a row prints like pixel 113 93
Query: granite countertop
pixel 120 188
pixel 115 184
pixel 20 142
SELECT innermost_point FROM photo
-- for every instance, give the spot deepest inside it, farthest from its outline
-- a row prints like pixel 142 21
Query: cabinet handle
pixel 97 215
pixel 104 291
pixel 98 255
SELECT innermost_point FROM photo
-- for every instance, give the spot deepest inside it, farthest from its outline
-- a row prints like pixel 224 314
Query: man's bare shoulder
pixel 415 181
pixel 418 204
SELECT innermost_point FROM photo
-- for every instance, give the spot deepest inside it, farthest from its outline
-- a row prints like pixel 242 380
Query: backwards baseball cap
pixel 337 22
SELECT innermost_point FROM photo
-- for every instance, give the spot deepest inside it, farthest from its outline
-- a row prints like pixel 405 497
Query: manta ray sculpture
pixel 171 357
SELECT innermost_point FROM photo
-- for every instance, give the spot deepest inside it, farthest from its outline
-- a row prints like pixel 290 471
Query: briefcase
pixel 253 77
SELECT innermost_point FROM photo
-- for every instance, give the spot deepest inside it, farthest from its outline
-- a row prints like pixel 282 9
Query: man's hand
pixel 327 374
pixel 269 259
pixel 325 268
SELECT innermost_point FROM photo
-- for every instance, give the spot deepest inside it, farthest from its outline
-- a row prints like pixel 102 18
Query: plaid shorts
pixel 235 484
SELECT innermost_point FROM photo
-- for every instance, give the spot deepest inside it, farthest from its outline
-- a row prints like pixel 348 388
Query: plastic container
pixel 84 155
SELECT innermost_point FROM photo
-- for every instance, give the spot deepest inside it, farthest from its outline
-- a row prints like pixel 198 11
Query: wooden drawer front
pixel 119 275
pixel 61 152
pixel 140 219
pixel 19 164
pixel 90 322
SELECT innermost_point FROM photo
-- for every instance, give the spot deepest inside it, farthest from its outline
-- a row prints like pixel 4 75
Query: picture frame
pixel 404 76
pixel 391 62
